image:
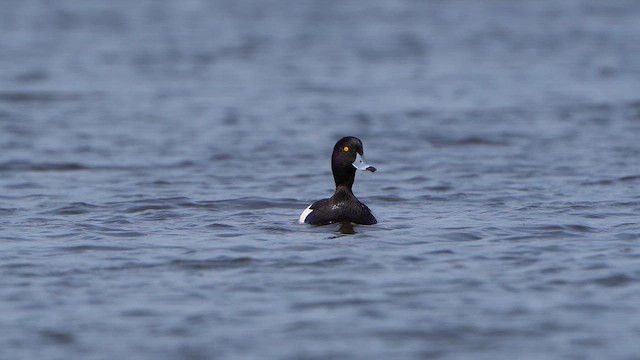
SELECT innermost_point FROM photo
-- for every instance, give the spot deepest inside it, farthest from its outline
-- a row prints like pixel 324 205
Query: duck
pixel 343 206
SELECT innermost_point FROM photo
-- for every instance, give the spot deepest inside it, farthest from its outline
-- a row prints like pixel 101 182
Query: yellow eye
pixel 346 148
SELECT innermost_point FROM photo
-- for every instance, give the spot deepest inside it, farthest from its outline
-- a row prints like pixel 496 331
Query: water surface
pixel 155 156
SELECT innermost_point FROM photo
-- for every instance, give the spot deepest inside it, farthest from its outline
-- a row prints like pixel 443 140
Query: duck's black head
pixel 348 155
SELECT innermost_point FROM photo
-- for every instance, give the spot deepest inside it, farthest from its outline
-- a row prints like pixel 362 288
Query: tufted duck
pixel 343 205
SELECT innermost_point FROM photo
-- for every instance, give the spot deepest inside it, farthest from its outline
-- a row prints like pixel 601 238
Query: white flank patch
pixel 304 214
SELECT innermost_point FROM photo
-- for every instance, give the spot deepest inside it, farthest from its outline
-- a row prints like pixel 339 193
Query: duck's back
pixel 328 211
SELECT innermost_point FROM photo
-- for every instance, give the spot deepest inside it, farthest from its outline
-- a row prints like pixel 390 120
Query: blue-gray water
pixel 155 156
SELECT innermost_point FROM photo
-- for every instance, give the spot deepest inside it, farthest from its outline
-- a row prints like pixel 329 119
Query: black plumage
pixel 343 206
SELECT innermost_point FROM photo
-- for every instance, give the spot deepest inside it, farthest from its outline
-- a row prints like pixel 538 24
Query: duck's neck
pixel 343 178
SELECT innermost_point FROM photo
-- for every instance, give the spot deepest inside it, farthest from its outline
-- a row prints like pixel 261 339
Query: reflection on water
pixel 346 228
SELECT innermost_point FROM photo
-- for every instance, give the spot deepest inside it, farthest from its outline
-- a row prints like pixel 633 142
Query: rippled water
pixel 155 157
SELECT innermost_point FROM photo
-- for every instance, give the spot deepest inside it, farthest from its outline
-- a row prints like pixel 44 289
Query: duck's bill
pixel 360 164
